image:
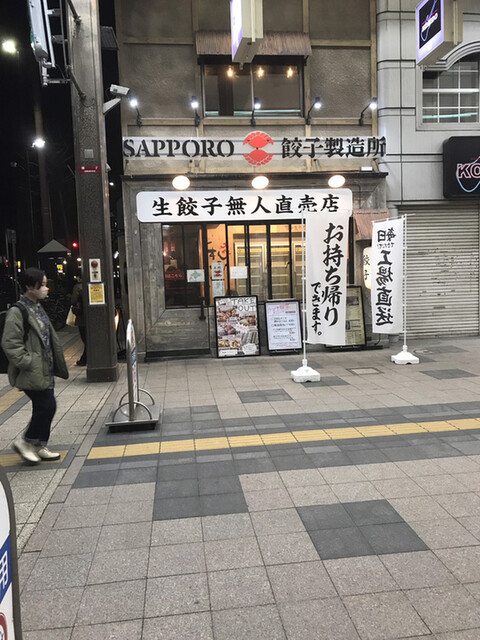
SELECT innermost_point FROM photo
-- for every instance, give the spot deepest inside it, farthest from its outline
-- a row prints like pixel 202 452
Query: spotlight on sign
pixel 181 182
pixel 336 181
pixel 260 182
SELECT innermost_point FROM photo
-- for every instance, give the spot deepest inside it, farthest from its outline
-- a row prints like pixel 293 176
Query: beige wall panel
pixel 152 19
pixel 162 77
pixel 214 14
pixel 341 20
pixel 282 15
pixel 341 77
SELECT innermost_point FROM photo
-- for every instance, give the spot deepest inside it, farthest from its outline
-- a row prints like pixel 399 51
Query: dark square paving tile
pixel 330 459
pixel 261 420
pixel 95 479
pixel 177 472
pixel 208 408
pixel 223 504
pixel 372 512
pixel 177 488
pixel 445 374
pixel 396 537
pixel 216 469
pixel 340 543
pixel 135 476
pixel 172 508
pixel 396 454
pixel 256 465
pixel 289 462
pixel 219 485
pixel 326 381
pixel 325 516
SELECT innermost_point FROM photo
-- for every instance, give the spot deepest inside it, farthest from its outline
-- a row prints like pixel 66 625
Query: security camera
pixel 117 90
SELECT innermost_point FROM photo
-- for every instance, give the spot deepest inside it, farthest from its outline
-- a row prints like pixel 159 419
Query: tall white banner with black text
pixel 387 276
pixel 326 273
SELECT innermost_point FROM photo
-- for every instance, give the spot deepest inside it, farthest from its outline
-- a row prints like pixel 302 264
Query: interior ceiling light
pixel 260 182
pixel 9 46
pixel 230 72
pixel 336 181
pixel 260 72
pixel 39 143
pixel 289 72
pixel 181 182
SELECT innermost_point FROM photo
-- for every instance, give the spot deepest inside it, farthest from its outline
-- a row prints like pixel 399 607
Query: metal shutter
pixel 442 271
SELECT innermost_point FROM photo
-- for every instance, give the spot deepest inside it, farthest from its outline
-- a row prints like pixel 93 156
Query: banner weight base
pixel 305 374
pixel 405 357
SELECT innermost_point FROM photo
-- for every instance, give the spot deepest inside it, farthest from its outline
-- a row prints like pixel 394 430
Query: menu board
pixel 354 321
pixel 236 322
pixel 283 325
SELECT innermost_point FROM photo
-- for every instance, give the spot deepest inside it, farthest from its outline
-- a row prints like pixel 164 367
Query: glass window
pixel 452 95
pixel 272 255
pixel 229 90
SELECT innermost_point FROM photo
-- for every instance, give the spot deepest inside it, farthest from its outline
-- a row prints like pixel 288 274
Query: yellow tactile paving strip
pixel 9 398
pixel 285 437
pixel 13 459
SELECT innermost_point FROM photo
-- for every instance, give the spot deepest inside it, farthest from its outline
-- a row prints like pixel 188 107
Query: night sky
pixel 20 80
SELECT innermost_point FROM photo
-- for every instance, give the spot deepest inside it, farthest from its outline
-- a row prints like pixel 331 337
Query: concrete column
pixel 92 187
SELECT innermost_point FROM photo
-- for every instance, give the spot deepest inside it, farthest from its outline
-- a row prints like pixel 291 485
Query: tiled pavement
pixel 260 509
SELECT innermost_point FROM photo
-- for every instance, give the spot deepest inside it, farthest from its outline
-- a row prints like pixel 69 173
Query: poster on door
pixel 387 276
pixel 236 323
pixel 326 277
pixel 283 325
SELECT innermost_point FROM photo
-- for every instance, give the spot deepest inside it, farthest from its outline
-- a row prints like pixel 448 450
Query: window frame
pixel 442 126
pixel 296 61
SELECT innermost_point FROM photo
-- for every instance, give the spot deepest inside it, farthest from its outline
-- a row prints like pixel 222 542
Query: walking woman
pixel 35 356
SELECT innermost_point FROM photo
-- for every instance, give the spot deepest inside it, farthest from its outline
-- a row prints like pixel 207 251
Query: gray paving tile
pixel 124 536
pixel 224 527
pixel 444 533
pixel 417 570
pixel 268 499
pixel 81 516
pixel 117 565
pixel 132 493
pixel 64 542
pixel 276 521
pixel 95 479
pixel 176 472
pixel 443 609
pixel 50 609
pixel 53 634
pixel 112 602
pixel 372 512
pixel 123 513
pixel 176 595
pixel 222 504
pixel 189 626
pixel 232 554
pixel 340 543
pixel 384 615
pixel 177 488
pixel 250 623
pixel 464 563
pixel 287 547
pixel 219 485
pixel 176 531
pixel 216 469
pixel 300 581
pixel 314 619
pixel 176 559
pixel 131 629
pixel 68 571
pixel 448 374
pixel 235 588
pixel 353 576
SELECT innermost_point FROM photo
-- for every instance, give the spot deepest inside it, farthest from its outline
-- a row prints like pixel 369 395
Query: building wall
pixel 414 159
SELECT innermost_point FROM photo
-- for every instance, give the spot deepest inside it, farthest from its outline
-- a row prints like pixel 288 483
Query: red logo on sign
pixel 258 140
pixel 3 627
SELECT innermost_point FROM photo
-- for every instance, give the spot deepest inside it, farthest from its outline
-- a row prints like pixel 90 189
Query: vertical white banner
pixel 387 276
pixel 326 273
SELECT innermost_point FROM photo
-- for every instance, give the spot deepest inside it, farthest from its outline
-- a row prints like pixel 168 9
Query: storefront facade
pixel 178 243
pixel 431 118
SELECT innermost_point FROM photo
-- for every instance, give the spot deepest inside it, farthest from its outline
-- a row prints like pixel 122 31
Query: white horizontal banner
pixel 245 206
pixel 258 148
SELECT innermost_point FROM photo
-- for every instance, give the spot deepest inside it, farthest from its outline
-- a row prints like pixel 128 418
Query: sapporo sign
pixel 257 148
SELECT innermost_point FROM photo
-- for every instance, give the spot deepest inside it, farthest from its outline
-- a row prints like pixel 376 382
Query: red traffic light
pixel 75 245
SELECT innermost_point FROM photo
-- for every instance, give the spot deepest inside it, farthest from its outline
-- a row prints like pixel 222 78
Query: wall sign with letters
pixel 461 167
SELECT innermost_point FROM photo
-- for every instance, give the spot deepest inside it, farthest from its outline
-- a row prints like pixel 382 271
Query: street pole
pixel 92 191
